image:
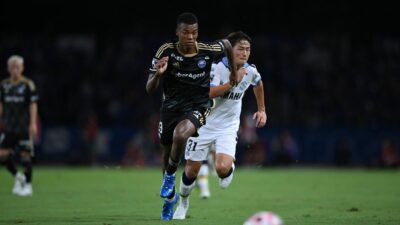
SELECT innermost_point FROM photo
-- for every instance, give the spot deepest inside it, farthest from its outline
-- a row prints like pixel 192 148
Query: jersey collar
pixel 187 55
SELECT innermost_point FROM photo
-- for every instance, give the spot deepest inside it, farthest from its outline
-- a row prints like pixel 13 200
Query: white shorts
pixel 197 148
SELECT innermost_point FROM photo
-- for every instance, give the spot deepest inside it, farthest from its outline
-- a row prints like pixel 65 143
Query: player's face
pixel 15 68
pixel 241 52
pixel 187 34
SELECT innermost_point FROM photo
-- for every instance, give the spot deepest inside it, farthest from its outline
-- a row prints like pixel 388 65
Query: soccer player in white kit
pixel 223 122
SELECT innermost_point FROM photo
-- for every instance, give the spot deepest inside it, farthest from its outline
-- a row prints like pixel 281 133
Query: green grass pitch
pixel 112 196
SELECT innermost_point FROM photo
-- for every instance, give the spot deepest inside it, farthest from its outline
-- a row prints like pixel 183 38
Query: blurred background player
pixel 18 111
pixel 207 168
pixel 185 68
pixel 224 120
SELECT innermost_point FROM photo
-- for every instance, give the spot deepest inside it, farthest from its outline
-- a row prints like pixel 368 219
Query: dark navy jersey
pixel 16 98
pixel 186 82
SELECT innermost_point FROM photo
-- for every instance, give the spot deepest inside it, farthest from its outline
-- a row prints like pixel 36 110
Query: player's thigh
pixel 166 127
pixel 183 130
pixel 197 117
pixel 8 142
pixel 197 148
pixel 4 153
pixel 226 144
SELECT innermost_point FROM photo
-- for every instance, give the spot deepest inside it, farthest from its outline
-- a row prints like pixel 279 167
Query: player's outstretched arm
pixel 222 89
pixel 260 116
pixel 154 78
pixel 234 79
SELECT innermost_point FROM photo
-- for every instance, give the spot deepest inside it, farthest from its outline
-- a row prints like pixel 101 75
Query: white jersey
pixel 225 114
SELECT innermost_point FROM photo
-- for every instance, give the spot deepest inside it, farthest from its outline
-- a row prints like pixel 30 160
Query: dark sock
pixel 172 195
pixel 228 174
pixel 28 170
pixel 172 167
pixel 186 180
pixel 10 165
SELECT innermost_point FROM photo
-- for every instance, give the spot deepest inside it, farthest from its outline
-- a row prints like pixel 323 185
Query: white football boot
pixel 181 209
pixel 18 183
pixel 183 206
pixel 26 190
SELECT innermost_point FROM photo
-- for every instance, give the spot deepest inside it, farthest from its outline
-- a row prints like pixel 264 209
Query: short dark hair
pixel 236 37
pixel 186 18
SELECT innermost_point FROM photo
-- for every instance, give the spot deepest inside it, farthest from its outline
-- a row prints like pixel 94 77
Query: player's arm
pixel 33 111
pixel 219 90
pixel 154 77
pixel 233 78
pixel 260 116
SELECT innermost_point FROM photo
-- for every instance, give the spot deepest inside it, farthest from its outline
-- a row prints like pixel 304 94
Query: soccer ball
pixel 264 218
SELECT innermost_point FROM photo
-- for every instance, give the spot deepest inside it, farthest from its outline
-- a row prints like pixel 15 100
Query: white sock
pixel 185 190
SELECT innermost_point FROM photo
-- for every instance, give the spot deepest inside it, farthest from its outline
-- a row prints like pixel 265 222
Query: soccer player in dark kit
pixel 184 67
pixel 18 113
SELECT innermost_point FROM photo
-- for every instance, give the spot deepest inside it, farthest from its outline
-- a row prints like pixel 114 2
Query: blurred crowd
pixel 311 80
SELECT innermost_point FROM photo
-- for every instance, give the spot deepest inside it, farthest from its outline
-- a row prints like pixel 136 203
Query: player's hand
pixel 241 73
pixel 233 78
pixel 33 130
pixel 261 118
pixel 162 65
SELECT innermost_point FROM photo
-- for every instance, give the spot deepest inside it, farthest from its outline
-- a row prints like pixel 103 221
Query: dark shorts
pixel 16 142
pixel 169 120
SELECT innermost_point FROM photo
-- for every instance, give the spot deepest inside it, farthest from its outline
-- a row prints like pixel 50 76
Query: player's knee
pixel 192 168
pixel 25 157
pixel 191 173
pixel 222 168
pixel 4 155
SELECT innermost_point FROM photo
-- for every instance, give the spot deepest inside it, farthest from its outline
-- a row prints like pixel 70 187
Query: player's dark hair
pixel 238 36
pixel 186 18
